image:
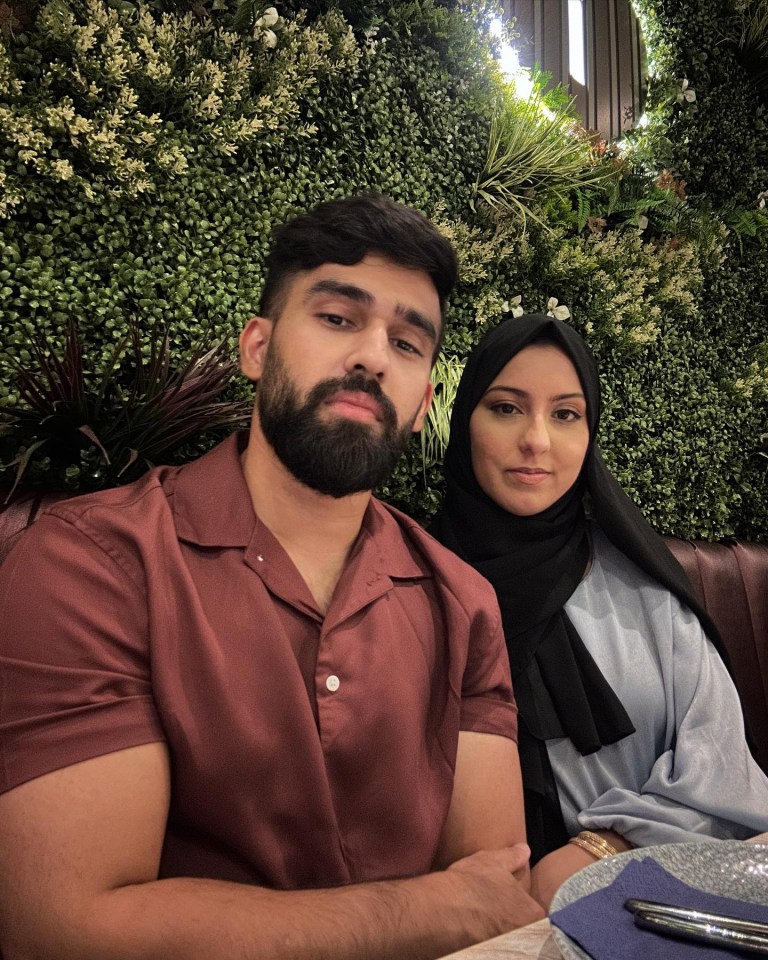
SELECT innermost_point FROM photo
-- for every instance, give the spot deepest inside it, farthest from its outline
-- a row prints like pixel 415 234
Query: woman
pixel 631 730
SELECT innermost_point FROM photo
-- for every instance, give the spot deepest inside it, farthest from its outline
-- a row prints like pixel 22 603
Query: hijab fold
pixel 535 564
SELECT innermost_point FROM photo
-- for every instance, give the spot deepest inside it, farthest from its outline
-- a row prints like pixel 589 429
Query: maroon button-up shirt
pixel 305 750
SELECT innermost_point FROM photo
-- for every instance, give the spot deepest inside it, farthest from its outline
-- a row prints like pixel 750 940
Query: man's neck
pixel 316 531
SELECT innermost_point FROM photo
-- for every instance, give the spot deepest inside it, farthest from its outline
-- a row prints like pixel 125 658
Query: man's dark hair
pixel 345 231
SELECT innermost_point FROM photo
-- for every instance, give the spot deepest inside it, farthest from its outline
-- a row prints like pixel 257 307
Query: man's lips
pixel 529 475
pixel 355 405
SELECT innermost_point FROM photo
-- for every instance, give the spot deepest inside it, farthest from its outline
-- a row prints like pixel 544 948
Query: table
pixel 533 942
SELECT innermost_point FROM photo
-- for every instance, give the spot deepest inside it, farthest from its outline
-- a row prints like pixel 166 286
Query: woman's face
pixel 529 432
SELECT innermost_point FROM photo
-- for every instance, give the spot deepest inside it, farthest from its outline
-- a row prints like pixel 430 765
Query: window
pixel 594 47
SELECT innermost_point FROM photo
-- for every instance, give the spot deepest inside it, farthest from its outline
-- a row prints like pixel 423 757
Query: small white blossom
pixel 687 94
pixel 269 18
pixel 261 28
pixel 62 170
pixel 642 223
pixel 762 199
pixel 514 307
pixel 558 312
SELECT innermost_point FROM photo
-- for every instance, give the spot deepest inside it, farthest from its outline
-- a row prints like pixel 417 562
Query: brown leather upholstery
pixel 732 581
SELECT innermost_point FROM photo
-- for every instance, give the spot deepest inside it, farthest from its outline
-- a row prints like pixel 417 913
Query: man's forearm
pixel 189 919
pixel 186 919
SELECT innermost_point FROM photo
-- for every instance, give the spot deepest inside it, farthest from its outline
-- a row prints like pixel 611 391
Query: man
pixel 249 711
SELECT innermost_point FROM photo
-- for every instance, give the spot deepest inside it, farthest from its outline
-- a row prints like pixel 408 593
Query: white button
pixel 333 683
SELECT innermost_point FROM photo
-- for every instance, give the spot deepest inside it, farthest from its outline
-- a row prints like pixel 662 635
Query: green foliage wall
pixel 146 152
pixel 718 144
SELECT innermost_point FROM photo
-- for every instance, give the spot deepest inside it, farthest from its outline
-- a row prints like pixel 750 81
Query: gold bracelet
pixel 594 844
pixel 608 848
pixel 592 851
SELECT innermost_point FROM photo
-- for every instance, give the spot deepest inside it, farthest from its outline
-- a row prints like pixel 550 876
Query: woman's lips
pixel 529 475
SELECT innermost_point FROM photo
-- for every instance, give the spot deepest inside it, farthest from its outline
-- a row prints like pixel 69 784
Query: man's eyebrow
pixel 418 320
pixel 524 393
pixel 352 292
pixel 348 290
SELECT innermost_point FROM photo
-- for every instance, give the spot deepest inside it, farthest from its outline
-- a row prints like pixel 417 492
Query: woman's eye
pixel 567 415
pixel 505 409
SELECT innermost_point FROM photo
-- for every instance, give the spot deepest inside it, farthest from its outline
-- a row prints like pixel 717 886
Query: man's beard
pixel 335 458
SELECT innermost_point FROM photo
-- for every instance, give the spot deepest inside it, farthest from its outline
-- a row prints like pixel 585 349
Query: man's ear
pixel 418 423
pixel 253 346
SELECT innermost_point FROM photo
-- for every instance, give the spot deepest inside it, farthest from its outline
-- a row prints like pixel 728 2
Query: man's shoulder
pixel 163 490
pixel 450 571
pixel 115 529
pixel 142 497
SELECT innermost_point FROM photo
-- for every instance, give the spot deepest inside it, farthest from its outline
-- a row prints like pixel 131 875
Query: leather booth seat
pixel 730 578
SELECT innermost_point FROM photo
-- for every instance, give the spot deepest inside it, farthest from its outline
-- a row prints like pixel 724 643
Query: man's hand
pixel 481 847
pixel 495 884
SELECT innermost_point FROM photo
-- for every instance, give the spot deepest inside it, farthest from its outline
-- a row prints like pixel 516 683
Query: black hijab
pixel 535 563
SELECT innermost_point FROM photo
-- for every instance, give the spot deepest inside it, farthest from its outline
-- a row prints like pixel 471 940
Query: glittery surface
pixel 729 868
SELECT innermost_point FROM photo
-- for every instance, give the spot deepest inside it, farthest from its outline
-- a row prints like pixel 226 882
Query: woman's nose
pixel 369 352
pixel 535 436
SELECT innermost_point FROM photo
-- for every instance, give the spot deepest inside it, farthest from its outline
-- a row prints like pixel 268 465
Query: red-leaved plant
pixel 69 431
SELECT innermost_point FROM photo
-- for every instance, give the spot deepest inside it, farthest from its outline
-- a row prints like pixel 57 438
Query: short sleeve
pixel 74 660
pixel 487 702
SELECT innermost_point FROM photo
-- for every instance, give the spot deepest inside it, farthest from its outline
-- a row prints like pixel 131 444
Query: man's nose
pixel 535 437
pixel 369 352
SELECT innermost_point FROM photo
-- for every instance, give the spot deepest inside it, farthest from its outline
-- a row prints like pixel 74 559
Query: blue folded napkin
pixel 606 930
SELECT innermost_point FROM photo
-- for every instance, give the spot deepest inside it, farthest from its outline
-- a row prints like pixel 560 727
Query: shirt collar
pixel 212 507
pixel 386 531
pixel 210 500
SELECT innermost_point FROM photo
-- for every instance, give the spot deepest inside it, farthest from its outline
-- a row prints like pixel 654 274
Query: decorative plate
pixel 728 868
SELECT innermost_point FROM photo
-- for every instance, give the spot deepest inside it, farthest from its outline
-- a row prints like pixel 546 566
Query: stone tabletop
pixel 533 942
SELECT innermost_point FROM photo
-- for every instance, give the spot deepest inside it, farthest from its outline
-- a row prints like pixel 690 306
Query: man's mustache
pixel 354 383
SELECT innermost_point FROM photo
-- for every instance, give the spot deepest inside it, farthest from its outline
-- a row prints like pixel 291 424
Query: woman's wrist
pixel 600 843
pixel 594 844
pixel 615 839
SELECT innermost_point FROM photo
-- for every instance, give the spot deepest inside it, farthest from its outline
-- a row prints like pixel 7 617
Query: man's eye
pixel 334 319
pixel 407 347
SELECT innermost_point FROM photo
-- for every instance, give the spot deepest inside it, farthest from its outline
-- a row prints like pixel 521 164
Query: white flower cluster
pixel 263 27
pixel 686 94
pixel 554 308
pixel 754 385
pixel 557 310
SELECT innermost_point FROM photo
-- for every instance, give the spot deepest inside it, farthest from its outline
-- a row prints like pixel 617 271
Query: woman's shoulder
pixel 609 560
pixel 623 614
pixel 612 569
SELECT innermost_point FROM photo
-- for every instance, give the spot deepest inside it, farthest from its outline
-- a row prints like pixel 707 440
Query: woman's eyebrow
pixel 524 393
